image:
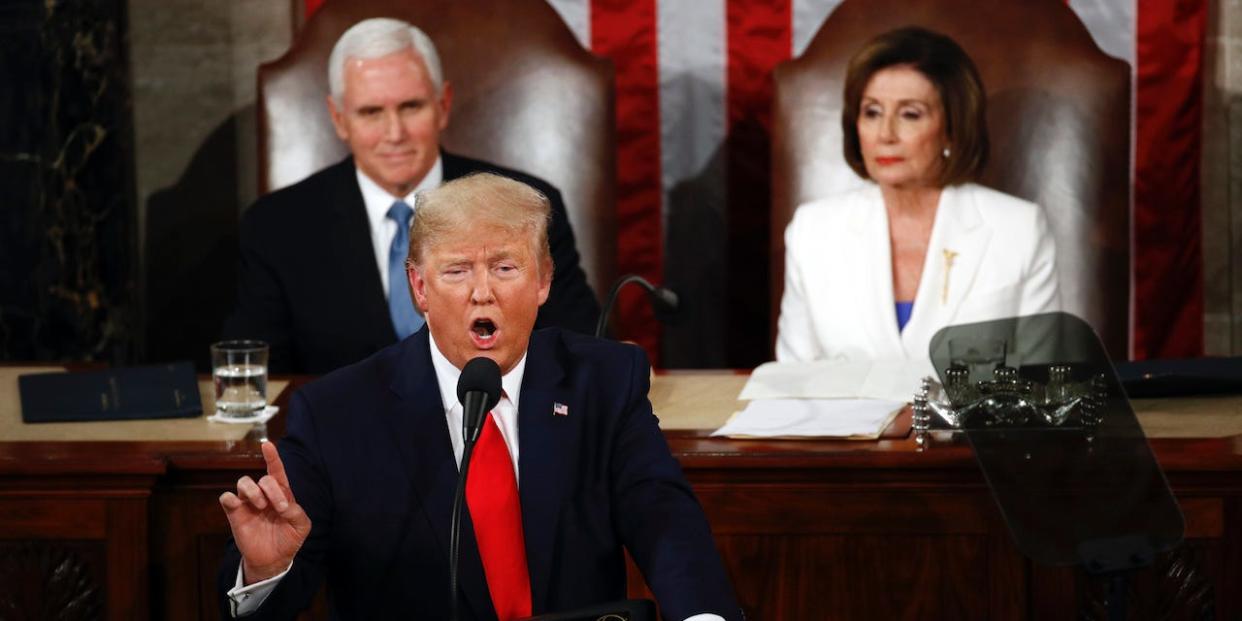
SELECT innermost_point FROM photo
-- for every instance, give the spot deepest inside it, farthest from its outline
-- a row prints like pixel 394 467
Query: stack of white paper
pixel 824 399
pixel 809 418
pixel 895 380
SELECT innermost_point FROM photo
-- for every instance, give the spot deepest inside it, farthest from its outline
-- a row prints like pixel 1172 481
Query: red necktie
pixel 496 510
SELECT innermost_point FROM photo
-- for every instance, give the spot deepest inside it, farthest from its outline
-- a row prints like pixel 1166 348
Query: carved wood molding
pixel 51 580
pixel 1183 589
pixel 1177 586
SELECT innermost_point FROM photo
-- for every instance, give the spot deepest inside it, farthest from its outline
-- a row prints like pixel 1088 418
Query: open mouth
pixel 484 330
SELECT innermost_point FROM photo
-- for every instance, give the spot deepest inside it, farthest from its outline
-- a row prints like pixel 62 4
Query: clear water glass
pixel 239 371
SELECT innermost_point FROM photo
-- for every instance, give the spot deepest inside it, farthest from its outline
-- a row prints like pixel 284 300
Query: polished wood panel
pixel 814 529
pixel 62 578
pixel 776 505
pixel 73 554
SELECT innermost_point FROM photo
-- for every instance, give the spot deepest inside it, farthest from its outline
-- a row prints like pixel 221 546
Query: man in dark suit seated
pixel 319 258
pixel 571 464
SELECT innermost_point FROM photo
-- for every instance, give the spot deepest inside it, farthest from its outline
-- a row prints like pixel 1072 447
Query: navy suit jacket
pixel 368 456
pixel 307 282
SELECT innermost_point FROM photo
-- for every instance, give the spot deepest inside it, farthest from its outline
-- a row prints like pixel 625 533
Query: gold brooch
pixel 949 257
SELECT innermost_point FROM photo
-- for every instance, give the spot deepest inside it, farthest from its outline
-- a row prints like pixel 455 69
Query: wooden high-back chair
pixel 525 95
pixel 1058 118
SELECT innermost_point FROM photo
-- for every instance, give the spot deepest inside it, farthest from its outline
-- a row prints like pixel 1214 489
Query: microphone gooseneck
pixel 478 391
pixel 663 300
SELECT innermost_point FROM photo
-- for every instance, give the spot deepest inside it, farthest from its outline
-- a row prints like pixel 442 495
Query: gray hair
pixel 376 37
pixel 513 207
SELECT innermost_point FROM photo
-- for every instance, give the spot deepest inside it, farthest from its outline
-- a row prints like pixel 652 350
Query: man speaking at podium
pixel 570 465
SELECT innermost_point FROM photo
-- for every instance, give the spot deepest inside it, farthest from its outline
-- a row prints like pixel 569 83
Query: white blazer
pixel 990 256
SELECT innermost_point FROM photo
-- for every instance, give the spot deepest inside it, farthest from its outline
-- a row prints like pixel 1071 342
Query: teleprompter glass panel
pixel 1057 440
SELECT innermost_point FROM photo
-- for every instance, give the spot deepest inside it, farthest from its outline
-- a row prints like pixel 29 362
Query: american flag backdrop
pixel 693 88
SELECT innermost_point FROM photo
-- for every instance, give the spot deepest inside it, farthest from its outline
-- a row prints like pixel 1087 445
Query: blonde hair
pixel 481 198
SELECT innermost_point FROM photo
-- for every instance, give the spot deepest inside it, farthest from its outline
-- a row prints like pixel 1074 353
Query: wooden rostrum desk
pixel 132 529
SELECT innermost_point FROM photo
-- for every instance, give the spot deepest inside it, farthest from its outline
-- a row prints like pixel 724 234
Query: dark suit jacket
pixel 368 456
pixel 308 285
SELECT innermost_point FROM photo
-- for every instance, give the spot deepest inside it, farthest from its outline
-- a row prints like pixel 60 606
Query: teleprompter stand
pixel 1058 443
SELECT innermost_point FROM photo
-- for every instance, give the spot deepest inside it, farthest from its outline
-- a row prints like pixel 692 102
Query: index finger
pixel 275 467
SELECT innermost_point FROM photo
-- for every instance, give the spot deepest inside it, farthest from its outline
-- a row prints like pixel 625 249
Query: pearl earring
pixel 946 152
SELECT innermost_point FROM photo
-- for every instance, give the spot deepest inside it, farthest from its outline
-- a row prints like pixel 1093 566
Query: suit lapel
pixel 355 255
pixel 959 239
pixel 546 456
pixel 419 429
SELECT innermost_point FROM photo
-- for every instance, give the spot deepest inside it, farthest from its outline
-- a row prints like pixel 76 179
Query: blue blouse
pixel 903 314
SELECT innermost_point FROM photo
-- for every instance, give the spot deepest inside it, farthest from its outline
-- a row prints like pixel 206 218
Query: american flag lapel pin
pixel 560 409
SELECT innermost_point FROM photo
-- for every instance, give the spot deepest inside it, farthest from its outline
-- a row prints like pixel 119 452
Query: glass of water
pixel 239 369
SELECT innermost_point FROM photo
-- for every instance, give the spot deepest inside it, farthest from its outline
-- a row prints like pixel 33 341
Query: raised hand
pixel 268 524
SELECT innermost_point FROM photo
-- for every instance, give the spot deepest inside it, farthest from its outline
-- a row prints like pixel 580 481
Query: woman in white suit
pixel 873 273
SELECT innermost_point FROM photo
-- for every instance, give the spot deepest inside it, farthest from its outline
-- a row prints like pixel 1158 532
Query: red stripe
pixel 1168 258
pixel 759 36
pixel 625 31
pixel 312 6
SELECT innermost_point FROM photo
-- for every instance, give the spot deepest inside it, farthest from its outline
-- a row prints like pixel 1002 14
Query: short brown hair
pixel 955 77
pixel 486 198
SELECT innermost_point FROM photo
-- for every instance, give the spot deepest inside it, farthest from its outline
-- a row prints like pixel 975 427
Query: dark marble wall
pixel 67 233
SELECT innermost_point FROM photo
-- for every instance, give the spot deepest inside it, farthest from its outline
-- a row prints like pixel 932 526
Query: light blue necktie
pixel 404 318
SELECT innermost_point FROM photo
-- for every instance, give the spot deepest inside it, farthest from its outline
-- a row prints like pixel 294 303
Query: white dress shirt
pixel 505 412
pixel 378 201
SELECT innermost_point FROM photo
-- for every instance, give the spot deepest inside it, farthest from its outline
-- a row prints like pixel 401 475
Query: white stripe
pixel 692 42
pixel 808 16
pixel 577 15
pixel 1112 25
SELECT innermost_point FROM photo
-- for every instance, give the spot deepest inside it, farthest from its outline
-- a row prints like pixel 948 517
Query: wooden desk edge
pixel 693 448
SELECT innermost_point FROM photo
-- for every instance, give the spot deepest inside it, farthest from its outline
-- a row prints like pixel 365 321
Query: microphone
pixel 478 391
pixel 664 301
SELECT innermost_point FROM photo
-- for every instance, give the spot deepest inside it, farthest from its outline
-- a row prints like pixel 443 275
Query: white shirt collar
pixel 378 200
pixel 447 376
